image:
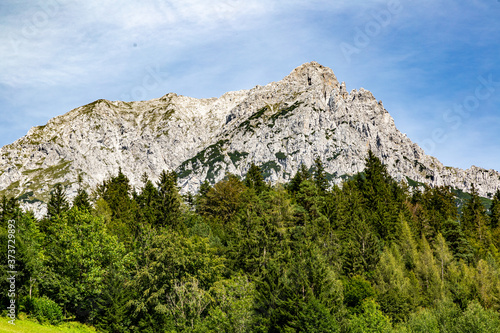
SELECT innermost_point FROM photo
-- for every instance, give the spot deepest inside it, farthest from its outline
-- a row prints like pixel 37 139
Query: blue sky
pixel 434 64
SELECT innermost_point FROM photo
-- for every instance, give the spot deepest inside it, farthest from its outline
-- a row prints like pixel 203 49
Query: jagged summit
pixel 312 73
pixel 278 126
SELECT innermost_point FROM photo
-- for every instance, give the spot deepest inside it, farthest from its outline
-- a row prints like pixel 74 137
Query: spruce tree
pixel 382 197
pixel 147 201
pixel 57 202
pixel 169 200
pixel 9 209
pixel 474 217
pixel 81 200
pixel 116 192
pixel 495 211
pixel 320 176
pixel 301 175
pixel 254 179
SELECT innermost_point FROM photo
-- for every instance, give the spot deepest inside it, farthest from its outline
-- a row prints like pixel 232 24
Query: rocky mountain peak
pixel 279 126
pixel 313 74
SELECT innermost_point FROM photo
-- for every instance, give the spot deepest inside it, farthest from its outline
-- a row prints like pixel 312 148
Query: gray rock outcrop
pixel 278 126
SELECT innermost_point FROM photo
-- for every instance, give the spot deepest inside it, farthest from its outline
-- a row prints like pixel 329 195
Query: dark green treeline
pixel 244 256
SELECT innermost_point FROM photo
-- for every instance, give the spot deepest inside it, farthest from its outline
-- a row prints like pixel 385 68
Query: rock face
pixel 278 126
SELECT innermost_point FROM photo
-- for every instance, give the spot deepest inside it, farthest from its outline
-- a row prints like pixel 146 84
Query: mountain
pixel 278 126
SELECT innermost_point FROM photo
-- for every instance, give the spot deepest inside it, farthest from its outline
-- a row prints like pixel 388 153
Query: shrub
pixel 45 310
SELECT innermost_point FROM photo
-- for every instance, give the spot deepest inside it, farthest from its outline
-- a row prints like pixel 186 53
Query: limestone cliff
pixel 278 126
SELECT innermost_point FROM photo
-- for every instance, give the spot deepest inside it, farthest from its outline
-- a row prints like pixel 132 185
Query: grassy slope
pixel 27 326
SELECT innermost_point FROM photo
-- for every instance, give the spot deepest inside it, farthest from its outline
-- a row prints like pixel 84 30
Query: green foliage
pixel 495 211
pixel 169 200
pixel 370 320
pixel 116 193
pixel 383 198
pixel 173 280
pixel 397 289
pixel 82 200
pixel 236 156
pixel 57 203
pixel 231 306
pixel 474 218
pixel 45 310
pixel 112 314
pixel 356 291
pixel 244 256
pixel 254 179
pixel 280 155
pixel 79 253
pixel 320 176
pixel 223 200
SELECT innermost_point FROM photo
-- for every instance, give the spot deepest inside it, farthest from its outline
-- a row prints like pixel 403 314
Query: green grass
pixel 28 326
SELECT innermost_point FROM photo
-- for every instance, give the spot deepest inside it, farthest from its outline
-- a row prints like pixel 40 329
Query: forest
pixel 241 255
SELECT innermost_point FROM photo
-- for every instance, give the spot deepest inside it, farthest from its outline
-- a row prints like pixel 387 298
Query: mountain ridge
pixel 278 126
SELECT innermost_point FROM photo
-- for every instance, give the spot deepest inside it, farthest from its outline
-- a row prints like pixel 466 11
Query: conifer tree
pixel 169 200
pixel 495 211
pixel 9 209
pixel 116 192
pixel 457 242
pixel 382 197
pixel 82 200
pixel 254 179
pixel 57 202
pixel 147 201
pixel 301 175
pixel 112 304
pixel 320 176
pixel 474 217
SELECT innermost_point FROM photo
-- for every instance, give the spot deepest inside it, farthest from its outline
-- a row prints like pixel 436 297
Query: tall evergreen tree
pixel 495 211
pixel 383 198
pixel 9 209
pixel 147 201
pixel 169 200
pixel 58 202
pixel 82 200
pixel 112 308
pixel 301 175
pixel 474 217
pixel 116 192
pixel 320 176
pixel 254 179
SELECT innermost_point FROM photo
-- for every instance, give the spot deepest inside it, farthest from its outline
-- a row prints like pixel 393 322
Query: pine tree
pixel 147 201
pixel 82 200
pixel 383 197
pixel 301 175
pixel 57 202
pixel 320 176
pixel 112 304
pixel 457 242
pixel 9 209
pixel 474 217
pixel 169 200
pixel 254 179
pixel 495 211
pixel 116 192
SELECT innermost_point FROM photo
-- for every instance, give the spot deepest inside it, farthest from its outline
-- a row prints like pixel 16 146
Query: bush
pixel 45 310
pixel 476 319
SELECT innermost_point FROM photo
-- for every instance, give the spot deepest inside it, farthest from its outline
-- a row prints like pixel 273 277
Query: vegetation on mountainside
pixel 244 256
